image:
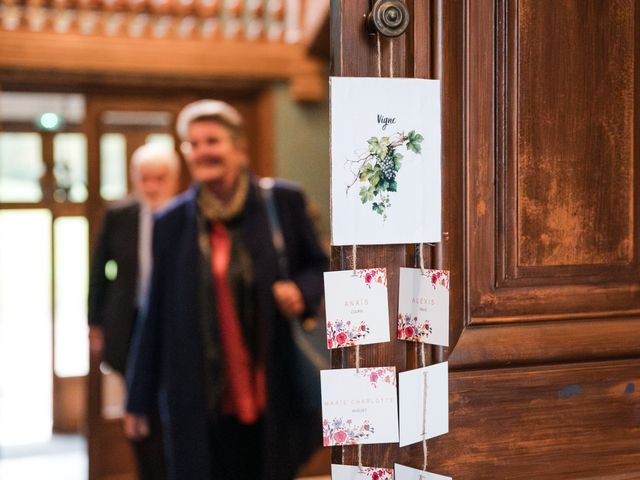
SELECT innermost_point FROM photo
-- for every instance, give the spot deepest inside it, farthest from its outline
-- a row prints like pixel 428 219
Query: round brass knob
pixel 388 17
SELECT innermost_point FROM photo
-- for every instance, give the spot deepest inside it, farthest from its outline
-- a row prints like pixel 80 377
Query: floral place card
pixel 422 418
pixel 423 306
pixel 406 473
pixel 359 406
pixel 349 472
pixel 356 307
pixel 385 161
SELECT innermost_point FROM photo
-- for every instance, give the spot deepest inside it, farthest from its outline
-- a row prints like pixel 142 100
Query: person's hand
pixel 96 339
pixel 288 298
pixel 136 426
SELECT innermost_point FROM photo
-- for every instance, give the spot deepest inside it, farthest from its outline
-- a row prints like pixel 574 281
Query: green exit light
pixel 49 121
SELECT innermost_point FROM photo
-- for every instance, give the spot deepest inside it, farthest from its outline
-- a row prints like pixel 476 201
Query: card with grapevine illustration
pixel 424 403
pixel 423 306
pixel 359 406
pixel 385 160
pixel 407 473
pixel 349 472
pixel 357 309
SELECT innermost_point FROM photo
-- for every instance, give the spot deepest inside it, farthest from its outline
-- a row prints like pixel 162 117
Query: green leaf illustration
pixel 379 168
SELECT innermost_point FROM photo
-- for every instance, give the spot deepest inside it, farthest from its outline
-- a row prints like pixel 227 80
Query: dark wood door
pixel 128 122
pixel 541 127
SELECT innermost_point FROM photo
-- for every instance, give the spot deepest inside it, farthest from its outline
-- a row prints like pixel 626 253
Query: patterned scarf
pixel 216 211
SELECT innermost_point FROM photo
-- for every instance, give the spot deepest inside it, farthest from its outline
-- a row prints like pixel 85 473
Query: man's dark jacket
pixel 168 354
pixel 112 294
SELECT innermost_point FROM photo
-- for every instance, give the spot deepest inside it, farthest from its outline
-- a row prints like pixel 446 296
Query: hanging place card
pixel 422 418
pixel 359 406
pixel 385 161
pixel 423 306
pixel 406 473
pixel 356 307
pixel 348 472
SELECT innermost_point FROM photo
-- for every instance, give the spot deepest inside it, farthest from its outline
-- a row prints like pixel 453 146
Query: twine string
pixel 360 467
pixel 425 454
pixel 379 54
pixel 422 269
pixel 354 257
pixel 423 358
pixel 391 58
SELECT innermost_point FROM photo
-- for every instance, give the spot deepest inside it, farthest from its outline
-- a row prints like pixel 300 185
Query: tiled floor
pixel 63 458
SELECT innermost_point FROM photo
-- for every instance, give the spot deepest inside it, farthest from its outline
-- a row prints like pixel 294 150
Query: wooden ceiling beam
pixel 241 61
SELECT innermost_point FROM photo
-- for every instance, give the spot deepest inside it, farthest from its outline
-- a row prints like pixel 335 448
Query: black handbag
pixel 310 353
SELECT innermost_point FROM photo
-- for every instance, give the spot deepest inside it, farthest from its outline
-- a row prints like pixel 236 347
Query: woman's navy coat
pixel 167 359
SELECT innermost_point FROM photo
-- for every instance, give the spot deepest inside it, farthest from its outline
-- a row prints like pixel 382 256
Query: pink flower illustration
pixel 344 432
pixel 345 334
pixel 410 328
pixel 371 275
pixel 375 473
pixel 377 375
pixel 340 436
pixel 438 277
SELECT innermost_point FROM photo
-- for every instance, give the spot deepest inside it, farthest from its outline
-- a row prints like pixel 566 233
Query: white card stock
pixel 356 307
pixel 420 419
pixel 359 406
pixel 423 306
pixel 385 160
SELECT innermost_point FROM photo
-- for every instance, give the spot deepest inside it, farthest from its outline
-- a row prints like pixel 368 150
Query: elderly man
pixel 215 347
pixel 120 274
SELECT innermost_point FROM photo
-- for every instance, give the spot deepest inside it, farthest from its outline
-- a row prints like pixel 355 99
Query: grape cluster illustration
pixel 388 166
pixel 378 167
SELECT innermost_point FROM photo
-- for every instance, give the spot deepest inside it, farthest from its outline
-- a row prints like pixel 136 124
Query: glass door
pixel 43 259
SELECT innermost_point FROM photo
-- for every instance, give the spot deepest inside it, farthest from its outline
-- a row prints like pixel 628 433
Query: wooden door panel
pixel 540 129
pixel 568 144
pixel 574 421
pixel 551 160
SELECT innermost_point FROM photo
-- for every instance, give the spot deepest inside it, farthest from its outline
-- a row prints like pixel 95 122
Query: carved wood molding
pixel 549 342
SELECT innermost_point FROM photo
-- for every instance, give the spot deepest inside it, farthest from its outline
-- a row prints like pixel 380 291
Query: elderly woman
pixel 215 347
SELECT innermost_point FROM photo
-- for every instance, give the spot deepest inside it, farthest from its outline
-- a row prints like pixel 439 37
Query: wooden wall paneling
pixel 574 421
pixel 264 140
